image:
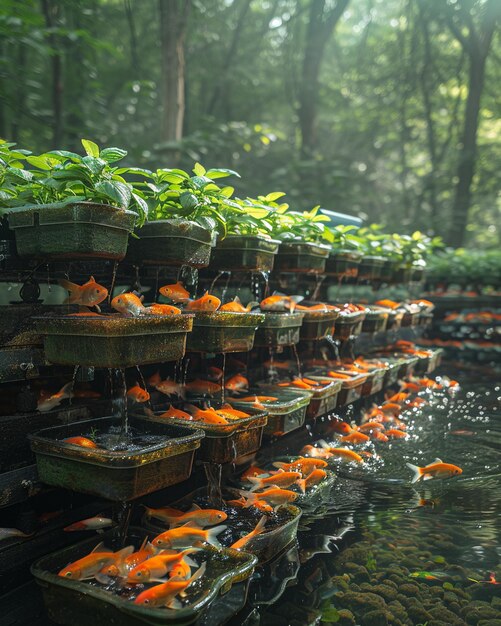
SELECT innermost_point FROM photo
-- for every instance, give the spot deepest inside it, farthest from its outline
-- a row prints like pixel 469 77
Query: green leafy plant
pixel 308 226
pixel 345 237
pixel 255 217
pixel 61 177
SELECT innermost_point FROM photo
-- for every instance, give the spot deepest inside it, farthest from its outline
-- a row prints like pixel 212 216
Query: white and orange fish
pixel 89 294
pixel 129 304
pixel 91 523
pixel 280 302
pixel 137 394
pixel 165 593
pixel 243 541
pixel 47 404
pixel 237 383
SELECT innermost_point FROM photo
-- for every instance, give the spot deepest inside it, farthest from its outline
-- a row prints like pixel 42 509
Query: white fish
pixel 47 404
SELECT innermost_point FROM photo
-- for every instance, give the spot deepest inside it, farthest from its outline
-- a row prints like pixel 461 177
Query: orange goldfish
pixel 398 398
pixel 280 479
pixel 185 537
pixel 394 433
pixel 235 306
pixel 197 517
pixel 129 304
pixel 390 408
pixel 305 465
pixel 410 386
pixel 280 302
pixel 209 416
pixel 157 566
pixel 378 435
pixel 175 292
pixel 165 594
pixel 388 304
pixel 121 567
pixel 343 453
pixel 355 437
pixel 316 453
pixel 437 469
pixel 138 394
pixel 297 382
pixel 274 496
pixel 258 399
pixel 81 441
pixel 47 404
pixel 167 387
pixel 181 570
pixel 204 387
pixel 243 541
pixel 316 477
pixel 162 309
pixel 89 294
pixel 237 383
pixel 341 427
pixel 214 374
pixel 90 565
pixel 205 303
pixel 253 470
pixel 172 412
pixel 91 523
pixel 370 426
pixel 228 412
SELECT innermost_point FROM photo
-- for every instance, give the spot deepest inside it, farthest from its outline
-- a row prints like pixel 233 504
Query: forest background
pixel 386 109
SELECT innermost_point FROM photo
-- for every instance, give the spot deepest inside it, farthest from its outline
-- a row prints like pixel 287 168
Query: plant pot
pixel 75 603
pixel 371 267
pixel 317 324
pixel 351 389
pixel 173 242
pixel 223 443
pixel 348 324
pixel 302 257
pixel 244 253
pixel 114 341
pixel 279 329
pixel 387 271
pixel 343 263
pixel 375 382
pixel 223 331
pixel 115 475
pixel 394 319
pixel 376 319
pixel 402 274
pixel 83 230
pixel 324 398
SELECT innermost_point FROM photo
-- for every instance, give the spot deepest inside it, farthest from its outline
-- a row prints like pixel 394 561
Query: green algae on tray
pixel 302 257
pixel 114 341
pixel 223 331
pixel 81 230
pixel 244 253
pixel 279 329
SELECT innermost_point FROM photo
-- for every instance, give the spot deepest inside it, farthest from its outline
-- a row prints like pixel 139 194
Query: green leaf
pixel 111 155
pixel 65 154
pixel 43 163
pixel 119 193
pixel 257 213
pixel 188 200
pixel 274 195
pixel 220 173
pixel 169 177
pixel 91 148
pixel 199 169
pixel 23 175
pixel 94 164
pixel 227 192
pixel 141 203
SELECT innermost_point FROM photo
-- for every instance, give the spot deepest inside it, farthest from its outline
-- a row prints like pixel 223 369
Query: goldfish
pixel 204 387
pixel 88 294
pixel 227 411
pixel 280 365
pixel 258 399
pixel 173 413
pixel 162 309
pixel 274 496
pixel 81 441
pixel 437 469
pixel 280 302
pixel 340 375
pixel 316 453
pixel 355 437
pixel 388 304
pixel 390 407
pixel 235 306
pixel 205 303
pixel 47 404
pixel 91 523
pixel 464 433
pixel 9 533
pixel 398 398
pixel 321 307
pixel 417 402
pixel 167 387
pixel 410 386
pixel 341 427
pixel 370 426
pixel 297 382
pixel 305 465
pixel 243 541
pixel 90 565
pixel 311 480
pixel 138 394
pixel 253 470
pixel 280 479
pixel 129 304
pixel 185 537
pixel 343 453
pixel 209 416
pixel 394 433
pixel 214 374
pixel 165 594
pixel 237 383
pixel 198 517
pixel 378 435
pixel 175 292
pixel 121 567
pixel 157 566
pixel 181 570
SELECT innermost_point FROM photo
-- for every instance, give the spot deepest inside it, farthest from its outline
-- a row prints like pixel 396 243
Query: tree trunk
pixel 50 11
pixel 321 24
pixel 173 19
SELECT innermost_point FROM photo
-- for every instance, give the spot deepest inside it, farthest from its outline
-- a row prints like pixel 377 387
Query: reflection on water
pixel 383 551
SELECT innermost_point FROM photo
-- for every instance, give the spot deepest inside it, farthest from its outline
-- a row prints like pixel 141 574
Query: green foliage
pixel 371 564
pixel 330 614
pixel 466 267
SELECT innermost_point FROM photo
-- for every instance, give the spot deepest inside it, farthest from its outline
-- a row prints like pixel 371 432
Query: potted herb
pixel 70 206
pixel 305 240
pixel 185 216
pixel 412 250
pixel 249 244
pixel 375 246
pixel 345 255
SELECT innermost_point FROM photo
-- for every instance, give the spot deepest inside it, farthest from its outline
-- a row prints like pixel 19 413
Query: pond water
pixel 384 551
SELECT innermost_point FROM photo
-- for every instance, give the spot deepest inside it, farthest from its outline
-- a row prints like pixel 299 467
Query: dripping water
pixel 225 288
pixel 223 390
pixel 218 276
pixel 113 279
pixel 298 360
pixel 213 472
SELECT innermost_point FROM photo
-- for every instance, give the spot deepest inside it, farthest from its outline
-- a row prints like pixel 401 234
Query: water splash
pixel 213 471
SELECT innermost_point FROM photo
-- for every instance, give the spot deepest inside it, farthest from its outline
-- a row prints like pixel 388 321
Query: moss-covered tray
pixel 124 466
pixel 223 331
pixel 348 324
pixel 244 253
pixel 318 324
pixel 76 603
pixel 302 257
pixel 114 341
pixel 343 263
pixel 171 242
pixel 279 329
pixel 376 319
pixel 82 230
